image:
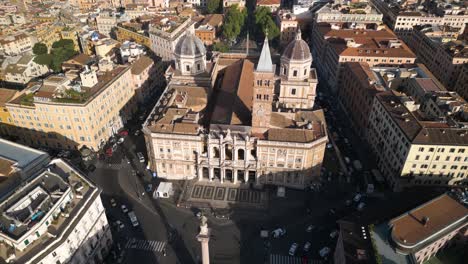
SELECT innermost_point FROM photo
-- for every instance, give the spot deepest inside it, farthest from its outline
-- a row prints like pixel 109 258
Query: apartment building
pixel 79 108
pixel 288 25
pixel 13 45
pixel 47 33
pixel 333 47
pixel 71 33
pixel 130 51
pixel 273 5
pixel 240 3
pixel 461 87
pixel 420 143
pixel 403 16
pixel 208 28
pixel 24 70
pixel 55 216
pixel 440 50
pixel 349 14
pixel 5 119
pixel 419 234
pixel 106 21
pixel 134 32
pixel 359 83
pixel 165 32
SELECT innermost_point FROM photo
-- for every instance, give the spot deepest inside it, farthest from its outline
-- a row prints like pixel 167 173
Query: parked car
pixel 119 224
pixel 140 156
pixel 329 145
pixel 334 234
pixel 123 133
pixel 121 140
pixel 124 208
pixel 324 252
pixel 357 197
pixel 113 203
pixel 293 248
pixel 310 228
pixel 307 246
pixel 279 232
pixel 361 206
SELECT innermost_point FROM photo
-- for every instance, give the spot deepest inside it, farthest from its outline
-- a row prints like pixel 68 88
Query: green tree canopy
pixel 40 48
pixel 220 46
pixel 43 59
pixel 265 23
pixel 234 22
pixel 213 6
pixel 64 43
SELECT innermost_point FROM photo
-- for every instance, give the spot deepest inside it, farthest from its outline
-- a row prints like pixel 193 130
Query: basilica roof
pixel 297 50
pixel 190 45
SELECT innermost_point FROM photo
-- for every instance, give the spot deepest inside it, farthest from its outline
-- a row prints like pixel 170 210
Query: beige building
pixel 12 45
pixel 439 49
pixel 351 14
pixel 239 3
pixel 221 121
pixel 165 33
pixel 414 126
pixel 24 70
pixel 288 25
pixel 333 47
pixel 420 143
pixel 273 5
pixel 403 16
pixel 54 214
pixel 461 87
pixel 79 108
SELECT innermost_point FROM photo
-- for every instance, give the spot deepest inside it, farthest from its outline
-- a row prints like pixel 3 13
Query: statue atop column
pixel 204 238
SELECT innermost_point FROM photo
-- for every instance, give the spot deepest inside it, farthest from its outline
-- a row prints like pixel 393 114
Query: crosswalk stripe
pixel 149 245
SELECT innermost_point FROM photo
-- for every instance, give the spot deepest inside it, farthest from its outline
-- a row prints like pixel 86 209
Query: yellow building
pixel 47 33
pixel 62 114
pixel 126 34
pixel 5 118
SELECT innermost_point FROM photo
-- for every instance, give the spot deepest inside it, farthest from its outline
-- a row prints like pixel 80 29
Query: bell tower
pixel 263 91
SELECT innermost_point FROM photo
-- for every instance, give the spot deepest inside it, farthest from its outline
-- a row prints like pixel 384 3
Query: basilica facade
pixel 238 118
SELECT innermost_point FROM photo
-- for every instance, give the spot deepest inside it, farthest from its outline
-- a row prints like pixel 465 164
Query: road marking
pixel 148 245
pixel 282 259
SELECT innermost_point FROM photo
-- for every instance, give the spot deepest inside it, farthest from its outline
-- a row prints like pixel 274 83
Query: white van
pixel 140 156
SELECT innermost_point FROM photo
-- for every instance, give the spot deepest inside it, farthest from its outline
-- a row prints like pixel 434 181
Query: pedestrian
pixel 164 252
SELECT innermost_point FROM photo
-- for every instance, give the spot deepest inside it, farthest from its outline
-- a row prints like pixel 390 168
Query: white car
pixel 310 228
pixel 307 246
pixel 124 209
pixel 293 248
pixel 324 252
pixel 119 224
pixel 279 232
pixel 121 140
pixel 361 206
pixel 357 197
pixel 334 234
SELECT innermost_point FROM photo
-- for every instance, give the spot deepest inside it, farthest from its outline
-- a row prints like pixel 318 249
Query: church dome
pixel 191 46
pixel 297 50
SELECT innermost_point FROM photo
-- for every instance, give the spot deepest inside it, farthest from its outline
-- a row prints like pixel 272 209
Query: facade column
pixel 246 176
pixel 222 171
pixel 234 175
pixel 200 173
pixel 211 173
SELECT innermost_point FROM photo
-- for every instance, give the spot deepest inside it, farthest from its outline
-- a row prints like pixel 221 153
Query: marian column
pixel 204 238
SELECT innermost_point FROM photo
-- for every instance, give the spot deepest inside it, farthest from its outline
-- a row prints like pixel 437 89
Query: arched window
pixel 240 154
pixel 228 152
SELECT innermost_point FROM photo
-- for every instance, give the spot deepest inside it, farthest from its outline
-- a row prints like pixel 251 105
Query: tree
pixel 43 59
pixel 213 6
pixel 234 22
pixel 64 43
pixel 59 55
pixel 40 48
pixel 265 23
pixel 220 46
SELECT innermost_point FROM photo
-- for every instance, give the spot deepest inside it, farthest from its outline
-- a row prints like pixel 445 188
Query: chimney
pixel 425 220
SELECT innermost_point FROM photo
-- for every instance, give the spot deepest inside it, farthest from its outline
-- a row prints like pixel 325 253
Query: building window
pixel 305 72
pixel 293 91
pixel 452 150
pixel 26 242
pixel 417 157
pixel 421 149
pixel 187 67
pixel 295 73
pixel 198 67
